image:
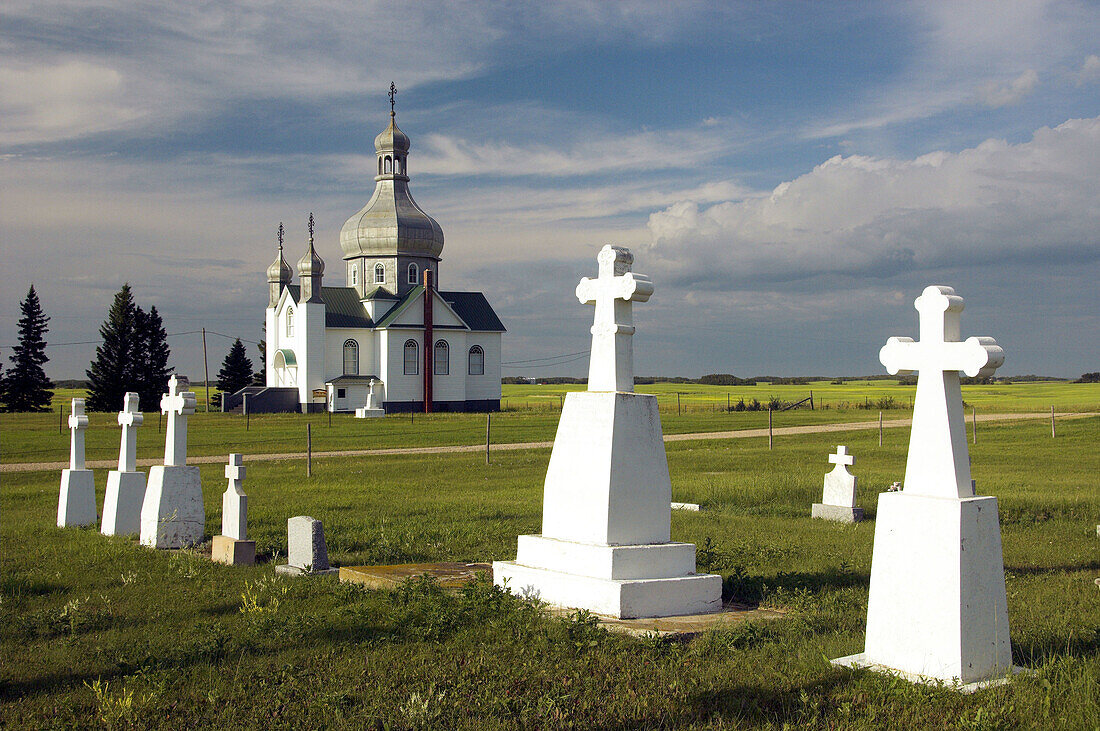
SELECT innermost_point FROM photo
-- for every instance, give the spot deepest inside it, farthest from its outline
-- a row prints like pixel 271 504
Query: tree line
pixel 133 356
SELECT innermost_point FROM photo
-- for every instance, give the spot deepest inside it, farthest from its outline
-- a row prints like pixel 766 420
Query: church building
pixel 427 349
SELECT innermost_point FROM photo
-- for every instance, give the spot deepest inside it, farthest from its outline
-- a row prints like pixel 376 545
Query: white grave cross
pixel 78 423
pixel 938 462
pixel 234 501
pixel 129 419
pixel 178 405
pixel 611 364
pixel 842 459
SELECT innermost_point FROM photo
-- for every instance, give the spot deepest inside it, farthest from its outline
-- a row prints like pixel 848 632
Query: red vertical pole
pixel 429 351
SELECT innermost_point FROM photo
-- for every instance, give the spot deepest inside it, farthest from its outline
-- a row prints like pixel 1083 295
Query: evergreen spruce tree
pixel 236 372
pixel 259 378
pixel 25 386
pixel 152 355
pixel 114 369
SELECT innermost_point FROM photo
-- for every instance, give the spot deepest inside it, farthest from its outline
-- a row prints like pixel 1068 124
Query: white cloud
pixel 998 94
pixel 1090 70
pixel 863 216
pixel 70 99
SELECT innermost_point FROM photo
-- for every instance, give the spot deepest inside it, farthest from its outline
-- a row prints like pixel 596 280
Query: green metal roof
pixel 343 307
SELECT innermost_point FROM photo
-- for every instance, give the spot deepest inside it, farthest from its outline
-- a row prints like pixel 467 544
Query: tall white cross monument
pixel 606 520
pixel 125 486
pixel 172 514
pixel 937 609
pixel 76 501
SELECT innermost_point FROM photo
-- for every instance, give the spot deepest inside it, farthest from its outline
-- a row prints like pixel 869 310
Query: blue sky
pixel 791 175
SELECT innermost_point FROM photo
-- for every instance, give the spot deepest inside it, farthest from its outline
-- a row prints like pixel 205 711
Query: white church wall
pixel 400 387
pixel 452 386
pixel 486 386
pixel 309 335
pixel 334 351
pixel 270 346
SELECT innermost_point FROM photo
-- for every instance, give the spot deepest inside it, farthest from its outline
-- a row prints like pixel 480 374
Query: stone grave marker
pixel 172 514
pixel 76 502
pixel 306 552
pixel 605 544
pixel 372 410
pixel 937 609
pixel 232 546
pixel 838 499
pixel 125 486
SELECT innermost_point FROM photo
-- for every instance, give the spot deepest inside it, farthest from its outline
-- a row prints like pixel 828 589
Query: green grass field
pixel 101 633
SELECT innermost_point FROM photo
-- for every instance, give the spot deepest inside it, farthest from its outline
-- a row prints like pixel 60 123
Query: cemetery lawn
pixel 102 633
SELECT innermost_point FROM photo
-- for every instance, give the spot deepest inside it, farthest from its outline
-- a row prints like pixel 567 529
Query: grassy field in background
pixel 531 414
pixel 101 633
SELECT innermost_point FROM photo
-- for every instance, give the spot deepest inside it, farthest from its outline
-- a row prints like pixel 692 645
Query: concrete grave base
pixel 233 552
pixel 365 413
pixel 837 513
pixel 448 574
pixel 172 514
pixel 288 570
pixel 690 507
pixel 937 607
pixel 122 503
pixel 860 661
pixel 76 503
pixel 622 598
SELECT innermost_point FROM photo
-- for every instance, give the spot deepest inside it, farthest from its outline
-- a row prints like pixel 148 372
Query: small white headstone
pixel 937 609
pixel 76 501
pixel 125 486
pixel 838 501
pixel 306 551
pixel 234 501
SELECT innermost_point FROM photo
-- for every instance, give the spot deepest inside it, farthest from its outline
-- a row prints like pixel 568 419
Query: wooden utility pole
pixel 205 370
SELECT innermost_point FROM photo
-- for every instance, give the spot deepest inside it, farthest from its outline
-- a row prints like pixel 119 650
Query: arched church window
pixel 412 358
pixel 290 322
pixel 379 166
pixel 442 358
pixel 476 361
pixel 351 358
pixel 389 165
pixel 414 273
pixel 379 274
pixel 398 164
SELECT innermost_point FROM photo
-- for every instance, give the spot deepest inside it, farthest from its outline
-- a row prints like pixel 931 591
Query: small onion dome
pixel 391 139
pixel 310 264
pixel 279 271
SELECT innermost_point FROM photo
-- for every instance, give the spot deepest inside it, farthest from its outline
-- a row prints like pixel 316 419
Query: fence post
pixel 880 428
pixel 677 403
pixel 488 426
pixel 811 400
pixel 61 419
pixel 769 427
pixel 1052 432
pixel 309 451
pixel 727 401
pixel 974 422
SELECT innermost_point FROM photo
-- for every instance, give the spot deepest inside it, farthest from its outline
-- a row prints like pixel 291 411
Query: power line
pixel 549 357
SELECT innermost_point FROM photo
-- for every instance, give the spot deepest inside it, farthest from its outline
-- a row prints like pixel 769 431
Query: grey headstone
pixel 306 538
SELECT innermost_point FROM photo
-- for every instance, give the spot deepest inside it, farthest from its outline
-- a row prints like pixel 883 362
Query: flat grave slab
pixel 449 574
pixel 685 626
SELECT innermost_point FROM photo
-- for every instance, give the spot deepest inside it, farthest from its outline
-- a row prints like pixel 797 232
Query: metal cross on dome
pixel 280 234
pixel 611 364
pixel 393 93
pixel 938 462
pixel 311 227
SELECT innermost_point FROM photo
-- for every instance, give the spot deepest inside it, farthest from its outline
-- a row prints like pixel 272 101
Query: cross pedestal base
pixel 836 513
pixel 621 598
pixel 365 413
pixel 122 504
pixel 76 503
pixel 172 514
pixel 233 552
pixel 937 608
